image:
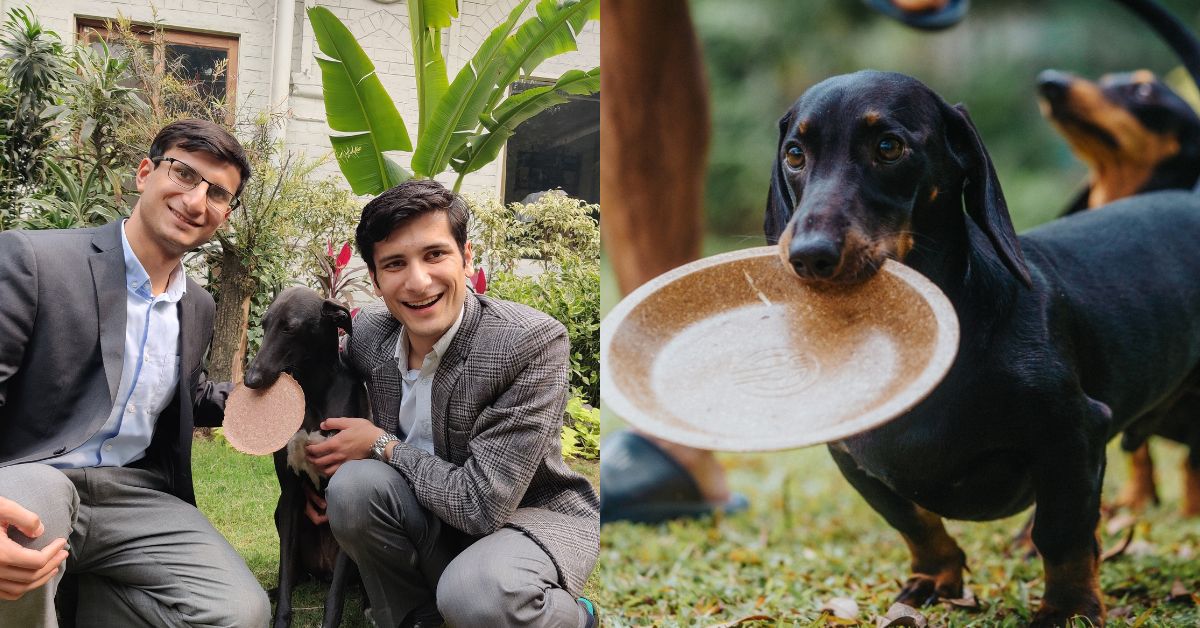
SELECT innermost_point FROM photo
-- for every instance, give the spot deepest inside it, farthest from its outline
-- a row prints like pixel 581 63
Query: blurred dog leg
pixel 654 134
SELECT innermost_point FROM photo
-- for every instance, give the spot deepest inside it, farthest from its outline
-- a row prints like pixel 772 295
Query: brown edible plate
pixel 735 353
pixel 263 421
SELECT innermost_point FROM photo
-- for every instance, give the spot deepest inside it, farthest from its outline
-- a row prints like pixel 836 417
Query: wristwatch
pixel 381 444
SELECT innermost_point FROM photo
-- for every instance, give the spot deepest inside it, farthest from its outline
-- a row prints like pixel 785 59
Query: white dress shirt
pixel 149 371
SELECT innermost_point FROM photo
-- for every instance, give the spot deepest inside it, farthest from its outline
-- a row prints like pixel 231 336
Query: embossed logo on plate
pixel 774 372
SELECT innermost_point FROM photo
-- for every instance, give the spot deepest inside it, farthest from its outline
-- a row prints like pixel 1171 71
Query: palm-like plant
pixel 462 125
pixel 34 65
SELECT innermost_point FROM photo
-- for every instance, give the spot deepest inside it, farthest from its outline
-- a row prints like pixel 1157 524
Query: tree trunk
pixel 235 287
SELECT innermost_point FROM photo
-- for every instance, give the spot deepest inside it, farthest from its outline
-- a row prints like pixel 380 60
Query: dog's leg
pixel 1140 491
pixel 1191 484
pixel 937 561
pixel 1068 480
pixel 344 571
pixel 287 513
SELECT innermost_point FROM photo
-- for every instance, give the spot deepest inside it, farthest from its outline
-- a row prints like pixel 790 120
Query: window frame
pixel 88 27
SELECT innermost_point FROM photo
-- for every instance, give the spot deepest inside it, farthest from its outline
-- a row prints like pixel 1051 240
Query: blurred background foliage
pixel 762 55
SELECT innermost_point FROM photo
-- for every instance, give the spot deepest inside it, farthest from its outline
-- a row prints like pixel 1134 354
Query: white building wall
pixel 381 29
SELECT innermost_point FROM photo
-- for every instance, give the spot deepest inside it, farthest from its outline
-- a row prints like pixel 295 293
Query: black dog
pixel 300 337
pixel 1068 334
pixel 1136 135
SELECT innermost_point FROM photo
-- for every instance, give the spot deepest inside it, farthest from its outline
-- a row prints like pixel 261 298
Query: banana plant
pixel 462 125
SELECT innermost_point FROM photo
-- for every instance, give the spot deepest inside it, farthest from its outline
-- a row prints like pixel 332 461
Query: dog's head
pixel 1132 131
pixel 868 161
pixel 300 333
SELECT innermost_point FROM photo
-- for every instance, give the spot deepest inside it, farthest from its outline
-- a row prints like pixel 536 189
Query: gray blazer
pixel 62 340
pixel 497 406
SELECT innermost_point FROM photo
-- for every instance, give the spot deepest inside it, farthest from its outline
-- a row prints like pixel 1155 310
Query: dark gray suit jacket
pixel 62 340
pixel 497 408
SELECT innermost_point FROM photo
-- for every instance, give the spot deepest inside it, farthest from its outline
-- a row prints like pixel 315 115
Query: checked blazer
pixel 497 406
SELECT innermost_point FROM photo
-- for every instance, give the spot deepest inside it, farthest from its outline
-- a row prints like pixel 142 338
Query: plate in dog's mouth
pixel 262 421
pixel 735 353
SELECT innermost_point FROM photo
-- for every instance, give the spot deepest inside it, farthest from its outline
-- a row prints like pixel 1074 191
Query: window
pixel 558 148
pixel 192 57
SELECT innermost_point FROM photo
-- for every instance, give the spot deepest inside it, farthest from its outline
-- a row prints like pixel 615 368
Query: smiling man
pixel 455 502
pixel 102 339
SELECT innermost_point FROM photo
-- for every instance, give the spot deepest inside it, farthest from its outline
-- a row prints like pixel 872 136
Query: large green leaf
pixel 483 148
pixel 552 32
pixel 457 113
pixel 427 18
pixel 357 105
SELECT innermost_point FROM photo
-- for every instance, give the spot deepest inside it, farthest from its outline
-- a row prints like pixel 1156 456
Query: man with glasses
pixel 102 339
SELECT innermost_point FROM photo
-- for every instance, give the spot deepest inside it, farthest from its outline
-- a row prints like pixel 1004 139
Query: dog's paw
pixel 923 589
pixel 1051 617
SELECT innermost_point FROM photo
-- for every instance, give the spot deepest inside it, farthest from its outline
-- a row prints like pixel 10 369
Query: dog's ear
pixel 338 314
pixel 982 196
pixel 779 198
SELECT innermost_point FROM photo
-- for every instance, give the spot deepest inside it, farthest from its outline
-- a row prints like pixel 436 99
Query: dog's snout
pixel 814 257
pixel 1054 85
pixel 253 378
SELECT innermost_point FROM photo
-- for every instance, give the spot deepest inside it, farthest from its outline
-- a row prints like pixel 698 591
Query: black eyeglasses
pixel 218 198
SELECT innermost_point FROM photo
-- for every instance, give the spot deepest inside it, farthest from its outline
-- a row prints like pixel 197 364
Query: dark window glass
pixel 558 148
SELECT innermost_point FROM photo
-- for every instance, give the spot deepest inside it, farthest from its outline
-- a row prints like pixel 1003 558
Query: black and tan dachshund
pixel 1068 333
pixel 300 337
pixel 1135 135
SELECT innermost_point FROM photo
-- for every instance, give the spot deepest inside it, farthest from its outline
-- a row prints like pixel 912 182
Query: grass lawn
pixel 238 493
pixel 808 537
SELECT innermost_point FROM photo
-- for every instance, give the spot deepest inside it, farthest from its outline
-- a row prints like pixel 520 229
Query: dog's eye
pixel 890 149
pixel 795 157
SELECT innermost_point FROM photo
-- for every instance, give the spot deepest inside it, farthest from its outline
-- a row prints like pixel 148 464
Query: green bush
pixel 547 256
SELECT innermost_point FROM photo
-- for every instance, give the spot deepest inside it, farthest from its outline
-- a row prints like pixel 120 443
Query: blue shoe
pixel 639 482
pixel 954 12
pixel 590 609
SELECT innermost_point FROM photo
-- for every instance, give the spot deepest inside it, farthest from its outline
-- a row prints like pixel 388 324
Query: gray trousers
pixel 143 556
pixel 410 559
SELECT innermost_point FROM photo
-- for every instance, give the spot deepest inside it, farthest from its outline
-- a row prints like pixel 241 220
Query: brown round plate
pixel 262 421
pixel 735 353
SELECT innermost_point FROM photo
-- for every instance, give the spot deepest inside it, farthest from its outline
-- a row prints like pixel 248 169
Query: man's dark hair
pixel 206 137
pixel 406 202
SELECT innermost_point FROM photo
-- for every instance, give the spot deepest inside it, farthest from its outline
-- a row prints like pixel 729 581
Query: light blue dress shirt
pixel 149 371
pixel 416 388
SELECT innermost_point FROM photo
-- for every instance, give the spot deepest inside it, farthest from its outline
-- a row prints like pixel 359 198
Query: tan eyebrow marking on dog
pixel 1143 76
pixel 933 194
pixel 802 127
pixel 872 117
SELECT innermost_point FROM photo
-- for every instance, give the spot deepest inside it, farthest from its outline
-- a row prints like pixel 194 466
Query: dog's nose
pixel 815 258
pixel 1054 85
pixel 253 378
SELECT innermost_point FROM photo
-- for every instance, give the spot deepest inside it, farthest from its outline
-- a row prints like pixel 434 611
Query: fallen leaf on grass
pixel 738 622
pixel 1120 612
pixel 967 601
pixel 1180 594
pixel 1119 548
pixel 901 615
pixel 1119 523
pixel 842 607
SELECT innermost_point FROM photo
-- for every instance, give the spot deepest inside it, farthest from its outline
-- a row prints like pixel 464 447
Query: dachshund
pixel 1068 334
pixel 1136 135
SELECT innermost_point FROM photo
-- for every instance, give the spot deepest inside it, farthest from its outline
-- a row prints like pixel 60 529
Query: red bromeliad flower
pixel 343 257
pixel 479 281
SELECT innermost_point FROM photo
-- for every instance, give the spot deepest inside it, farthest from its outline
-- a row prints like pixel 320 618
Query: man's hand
pixel 21 569
pixel 314 505
pixel 352 442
